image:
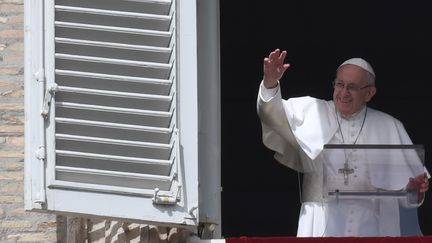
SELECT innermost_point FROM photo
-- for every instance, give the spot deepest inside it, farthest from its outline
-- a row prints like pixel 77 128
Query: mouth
pixel 345 101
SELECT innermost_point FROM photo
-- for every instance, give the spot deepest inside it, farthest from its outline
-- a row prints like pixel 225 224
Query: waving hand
pixel 274 68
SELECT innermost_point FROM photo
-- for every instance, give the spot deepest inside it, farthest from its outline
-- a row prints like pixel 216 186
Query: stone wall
pixel 16 225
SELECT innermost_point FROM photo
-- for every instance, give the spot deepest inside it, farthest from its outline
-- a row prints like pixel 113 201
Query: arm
pixel 269 104
pixel 276 131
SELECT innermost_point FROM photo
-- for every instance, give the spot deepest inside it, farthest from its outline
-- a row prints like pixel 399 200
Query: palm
pixel 274 67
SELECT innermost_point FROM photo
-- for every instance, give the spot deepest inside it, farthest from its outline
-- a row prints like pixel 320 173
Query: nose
pixel 345 91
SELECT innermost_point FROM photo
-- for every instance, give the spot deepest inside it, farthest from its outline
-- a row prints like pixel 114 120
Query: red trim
pixel 413 239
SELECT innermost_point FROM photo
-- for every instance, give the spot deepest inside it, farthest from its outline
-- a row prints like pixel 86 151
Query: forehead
pixel 351 73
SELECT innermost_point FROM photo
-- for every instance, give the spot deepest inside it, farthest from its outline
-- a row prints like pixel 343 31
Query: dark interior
pixel 260 196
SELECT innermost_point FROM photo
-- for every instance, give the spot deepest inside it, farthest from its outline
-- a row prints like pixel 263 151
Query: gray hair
pixel 370 78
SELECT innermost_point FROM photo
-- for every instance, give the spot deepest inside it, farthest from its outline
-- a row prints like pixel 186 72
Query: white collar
pixel 355 116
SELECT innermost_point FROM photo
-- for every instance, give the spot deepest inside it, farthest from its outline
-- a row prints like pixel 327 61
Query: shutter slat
pixel 114 77
pixel 115 132
pixel 153 38
pixel 113 173
pixel 114 109
pixel 119 131
pixel 111 12
pixel 114 82
pixel 123 116
pixel 136 160
pixel 113 18
pixel 113 61
pixel 113 178
pixel 135 31
pixel 81 186
pixel 115 68
pixel 114 125
pixel 113 141
pixel 135 35
pixel 161 98
pixel 145 6
pixel 115 101
pixel 116 149
pixel 113 45
pixel 113 162
pixel 113 50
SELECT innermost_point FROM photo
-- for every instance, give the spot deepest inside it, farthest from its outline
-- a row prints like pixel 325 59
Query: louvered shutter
pixel 116 138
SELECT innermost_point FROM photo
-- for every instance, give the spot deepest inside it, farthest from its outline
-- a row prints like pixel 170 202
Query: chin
pixel 345 112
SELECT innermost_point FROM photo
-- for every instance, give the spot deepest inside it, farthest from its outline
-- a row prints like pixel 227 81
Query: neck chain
pixel 361 128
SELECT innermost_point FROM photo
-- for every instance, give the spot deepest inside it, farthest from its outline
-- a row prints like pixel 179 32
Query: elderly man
pixel 298 128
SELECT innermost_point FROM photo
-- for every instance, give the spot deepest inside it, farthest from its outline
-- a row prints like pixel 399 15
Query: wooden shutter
pixel 110 110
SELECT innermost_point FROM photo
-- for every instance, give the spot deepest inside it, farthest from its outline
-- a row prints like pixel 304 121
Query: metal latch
pixel 49 94
pixel 166 199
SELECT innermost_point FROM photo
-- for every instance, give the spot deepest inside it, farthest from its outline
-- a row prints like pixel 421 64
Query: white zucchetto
pixel 360 63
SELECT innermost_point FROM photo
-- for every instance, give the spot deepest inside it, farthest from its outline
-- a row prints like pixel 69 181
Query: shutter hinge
pixel 40 197
pixel 41 153
pixel 49 94
pixel 40 75
pixel 166 199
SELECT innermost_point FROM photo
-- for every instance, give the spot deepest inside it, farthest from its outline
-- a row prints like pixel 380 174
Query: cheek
pixel 335 94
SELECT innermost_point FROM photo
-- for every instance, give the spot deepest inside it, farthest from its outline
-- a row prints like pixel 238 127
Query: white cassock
pixel 297 130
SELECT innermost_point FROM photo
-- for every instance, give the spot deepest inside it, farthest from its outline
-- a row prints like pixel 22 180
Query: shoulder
pixel 381 114
pixel 308 101
pixel 309 108
pixel 381 117
pixel 386 128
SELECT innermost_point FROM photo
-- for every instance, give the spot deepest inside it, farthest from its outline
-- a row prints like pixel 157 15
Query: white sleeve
pixel 268 94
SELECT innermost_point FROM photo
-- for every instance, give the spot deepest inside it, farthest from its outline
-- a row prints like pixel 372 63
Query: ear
pixel 370 93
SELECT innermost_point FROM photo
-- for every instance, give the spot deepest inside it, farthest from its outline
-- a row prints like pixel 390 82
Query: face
pixel 349 101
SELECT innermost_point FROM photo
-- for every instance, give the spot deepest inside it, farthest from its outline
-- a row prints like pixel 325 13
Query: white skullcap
pixel 360 63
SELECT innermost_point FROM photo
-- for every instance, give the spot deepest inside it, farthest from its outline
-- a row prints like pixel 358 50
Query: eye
pixel 338 84
pixel 352 88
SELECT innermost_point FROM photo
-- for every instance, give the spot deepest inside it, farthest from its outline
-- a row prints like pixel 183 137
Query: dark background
pixel 260 196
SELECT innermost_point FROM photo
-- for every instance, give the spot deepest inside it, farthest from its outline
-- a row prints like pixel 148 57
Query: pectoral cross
pixel 346 171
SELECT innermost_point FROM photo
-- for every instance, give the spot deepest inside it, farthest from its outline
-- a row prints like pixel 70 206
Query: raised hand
pixel 274 68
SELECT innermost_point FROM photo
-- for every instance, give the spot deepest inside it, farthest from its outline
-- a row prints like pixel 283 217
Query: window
pixel 113 94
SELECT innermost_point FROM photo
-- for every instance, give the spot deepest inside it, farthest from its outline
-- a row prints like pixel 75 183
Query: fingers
pixel 282 56
pixel 425 185
pixel 277 57
pixel 419 183
pixel 275 61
